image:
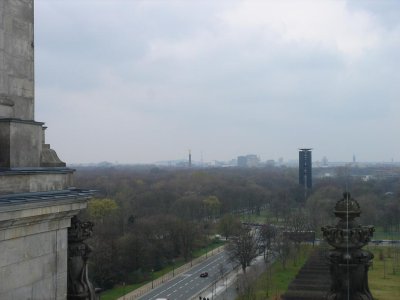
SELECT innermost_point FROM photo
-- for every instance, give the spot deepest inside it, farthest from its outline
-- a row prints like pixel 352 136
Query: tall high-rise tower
pixel 190 158
pixel 305 166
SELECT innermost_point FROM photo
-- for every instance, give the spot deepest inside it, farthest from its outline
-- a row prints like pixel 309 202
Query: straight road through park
pixel 190 284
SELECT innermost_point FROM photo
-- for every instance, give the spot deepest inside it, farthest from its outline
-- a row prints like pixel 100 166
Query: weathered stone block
pixel 24 293
pixel 26 272
pixel 21 143
pixel 62 286
pixel 16 250
pixel 62 261
pixel 35 182
pixel 62 237
pixel 44 289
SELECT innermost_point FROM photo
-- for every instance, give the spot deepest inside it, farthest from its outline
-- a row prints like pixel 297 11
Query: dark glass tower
pixel 305 165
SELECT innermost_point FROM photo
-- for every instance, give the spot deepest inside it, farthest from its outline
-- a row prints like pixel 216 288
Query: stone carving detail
pixel 79 286
pixel 348 262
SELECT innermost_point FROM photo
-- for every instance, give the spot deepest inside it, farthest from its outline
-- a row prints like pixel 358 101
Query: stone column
pixel 37 200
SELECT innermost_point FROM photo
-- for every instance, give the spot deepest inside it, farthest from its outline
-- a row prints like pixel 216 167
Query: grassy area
pixel 384 280
pixel 264 215
pixel 120 290
pixel 379 234
pixel 271 285
pixel 383 283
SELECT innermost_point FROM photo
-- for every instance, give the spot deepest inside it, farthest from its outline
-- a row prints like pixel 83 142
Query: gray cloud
pixel 141 81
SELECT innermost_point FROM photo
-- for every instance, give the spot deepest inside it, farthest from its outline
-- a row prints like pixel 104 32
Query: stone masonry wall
pixel 33 249
pixel 34 266
pixel 16 59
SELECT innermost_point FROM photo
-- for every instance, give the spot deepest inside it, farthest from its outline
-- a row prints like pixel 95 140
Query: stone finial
pixel 348 262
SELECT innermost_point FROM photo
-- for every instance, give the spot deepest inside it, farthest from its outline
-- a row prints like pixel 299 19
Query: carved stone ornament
pixel 349 263
pixel 79 286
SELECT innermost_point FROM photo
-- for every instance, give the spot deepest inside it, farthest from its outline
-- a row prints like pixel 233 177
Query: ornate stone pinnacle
pixel 348 262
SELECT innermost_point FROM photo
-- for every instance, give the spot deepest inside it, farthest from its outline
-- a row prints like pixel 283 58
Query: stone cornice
pixel 13 120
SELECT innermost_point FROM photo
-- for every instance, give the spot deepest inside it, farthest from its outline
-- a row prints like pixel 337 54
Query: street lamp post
pixel 173 267
pixel 152 278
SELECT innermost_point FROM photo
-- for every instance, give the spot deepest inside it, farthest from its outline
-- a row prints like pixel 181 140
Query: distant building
pixel 248 161
pixel 270 163
pixel 305 168
pixel 241 161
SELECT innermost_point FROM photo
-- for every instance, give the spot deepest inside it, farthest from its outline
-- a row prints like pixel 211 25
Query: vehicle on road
pixel 204 274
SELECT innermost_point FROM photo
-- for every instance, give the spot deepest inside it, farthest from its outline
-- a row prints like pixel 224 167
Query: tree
pixel 243 247
pixel 281 247
pixel 267 235
pixel 246 286
pixel 100 208
pixel 187 232
pixel 228 225
pixel 212 206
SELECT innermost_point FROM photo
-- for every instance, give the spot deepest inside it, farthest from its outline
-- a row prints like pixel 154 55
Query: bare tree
pixel 297 230
pixel 282 248
pixel 245 284
pixel 267 234
pixel 243 247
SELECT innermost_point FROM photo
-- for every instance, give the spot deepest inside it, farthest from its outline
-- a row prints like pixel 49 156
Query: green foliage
pixel 212 205
pixel 275 280
pixel 228 225
pixel 383 282
pixel 99 208
pixel 139 225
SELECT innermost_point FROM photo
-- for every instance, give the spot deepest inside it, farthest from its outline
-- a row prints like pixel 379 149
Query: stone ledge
pixel 27 214
pixel 15 202
pixel 29 171
pixel 14 120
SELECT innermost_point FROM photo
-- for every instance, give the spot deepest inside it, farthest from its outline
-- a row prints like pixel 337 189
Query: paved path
pixel 189 284
pixel 172 276
pixel 225 289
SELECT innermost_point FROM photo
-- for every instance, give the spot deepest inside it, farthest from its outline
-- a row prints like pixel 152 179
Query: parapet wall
pixel 39 180
pixel 34 243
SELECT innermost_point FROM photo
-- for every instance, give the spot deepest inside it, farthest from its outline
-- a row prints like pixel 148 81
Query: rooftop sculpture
pixel 349 263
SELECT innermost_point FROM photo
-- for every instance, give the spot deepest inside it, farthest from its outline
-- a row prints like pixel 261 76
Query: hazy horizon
pixel 144 81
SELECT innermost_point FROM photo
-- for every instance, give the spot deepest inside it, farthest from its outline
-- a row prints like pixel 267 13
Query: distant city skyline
pixel 143 81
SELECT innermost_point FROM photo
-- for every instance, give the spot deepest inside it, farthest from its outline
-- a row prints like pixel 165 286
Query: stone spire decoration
pixel 349 263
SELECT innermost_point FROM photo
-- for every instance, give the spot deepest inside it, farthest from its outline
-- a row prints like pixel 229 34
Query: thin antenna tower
pixel 347 244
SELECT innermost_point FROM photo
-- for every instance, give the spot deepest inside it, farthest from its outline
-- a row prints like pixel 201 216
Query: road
pixel 189 284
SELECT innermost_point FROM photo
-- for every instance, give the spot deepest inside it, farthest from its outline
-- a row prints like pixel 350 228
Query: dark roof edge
pixel 27 171
pixel 53 197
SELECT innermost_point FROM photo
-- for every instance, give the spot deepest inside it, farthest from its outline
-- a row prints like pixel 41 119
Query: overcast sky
pixel 144 81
